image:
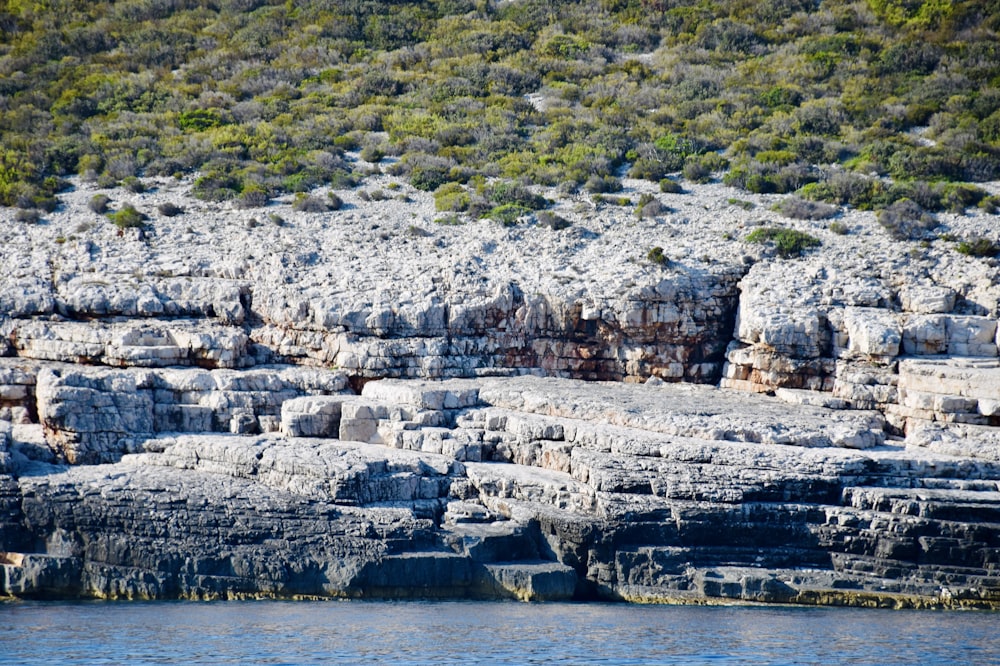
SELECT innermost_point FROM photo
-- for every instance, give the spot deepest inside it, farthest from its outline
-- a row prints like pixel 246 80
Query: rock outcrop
pixel 527 488
pixel 351 405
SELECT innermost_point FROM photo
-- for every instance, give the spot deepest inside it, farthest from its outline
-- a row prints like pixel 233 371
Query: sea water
pixel 358 632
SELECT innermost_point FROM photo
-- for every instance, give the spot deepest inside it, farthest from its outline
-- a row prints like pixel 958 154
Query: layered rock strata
pixel 526 488
pixel 200 409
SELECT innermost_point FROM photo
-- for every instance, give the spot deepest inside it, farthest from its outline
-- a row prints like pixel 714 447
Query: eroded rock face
pixel 527 488
pixel 194 411
pixel 93 415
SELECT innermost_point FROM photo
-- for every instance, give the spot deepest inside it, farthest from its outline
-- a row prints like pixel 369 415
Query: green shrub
pixel 508 192
pixel 650 206
pixel 253 196
pixel 696 172
pixel 508 214
pixel 670 186
pixel 127 217
pixel 788 242
pixel 978 247
pixel 309 204
pixel 844 188
pixel 133 184
pixel 741 203
pixel 602 184
pixel 451 197
pixel 656 256
pixel 372 153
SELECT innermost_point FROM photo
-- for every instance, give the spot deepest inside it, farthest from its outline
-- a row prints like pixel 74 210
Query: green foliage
pixel 451 197
pixel 978 247
pixel 602 184
pixel 199 120
pixel 656 256
pixel 789 243
pixel 133 184
pixel 508 214
pixel 263 98
pixel 127 217
pixel 305 203
pixel 669 186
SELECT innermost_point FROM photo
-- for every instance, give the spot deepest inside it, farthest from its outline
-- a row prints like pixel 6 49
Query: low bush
pixel 650 206
pixel 253 196
pixel 508 214
pixel 602 184
pixel 656 256
pixel 128 217
pixel 28 216
pixel 99 203
pixel 670 186
pixel 978 247
pixel 789 243
pixel 906 220
pixel 508 192
pixel 309 204
pixel 547 218
pixel 133 184
pixel 168 209
pixel 696 172
pixel 803 209
pixel 451 197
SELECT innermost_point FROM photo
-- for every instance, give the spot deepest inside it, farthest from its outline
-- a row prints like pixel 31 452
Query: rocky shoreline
pixel 364 403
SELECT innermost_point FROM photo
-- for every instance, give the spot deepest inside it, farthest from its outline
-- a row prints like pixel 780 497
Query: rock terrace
pixel 365 403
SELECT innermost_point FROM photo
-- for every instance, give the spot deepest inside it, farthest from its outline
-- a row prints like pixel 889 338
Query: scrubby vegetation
pixel 264 97
pixel 657 256
pixel 128 217
pixel 801 209
pixel 787 242
pixel 978 247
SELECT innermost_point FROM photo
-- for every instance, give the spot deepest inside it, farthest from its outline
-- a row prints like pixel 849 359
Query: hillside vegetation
pixel 480 99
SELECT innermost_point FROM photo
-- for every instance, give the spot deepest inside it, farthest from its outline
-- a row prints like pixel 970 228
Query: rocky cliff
pixel 365 403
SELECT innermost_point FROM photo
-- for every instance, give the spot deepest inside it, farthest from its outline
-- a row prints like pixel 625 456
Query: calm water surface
pixel 269 632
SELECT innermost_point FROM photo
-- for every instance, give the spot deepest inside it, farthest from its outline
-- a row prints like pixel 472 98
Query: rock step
pixel 696 411
pixel 497 481
pixel 526 581
pixel 493 542
pixel 965 506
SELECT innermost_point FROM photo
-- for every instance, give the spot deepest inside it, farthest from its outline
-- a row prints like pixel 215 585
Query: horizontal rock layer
pixel 194 411
pixel 526 488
